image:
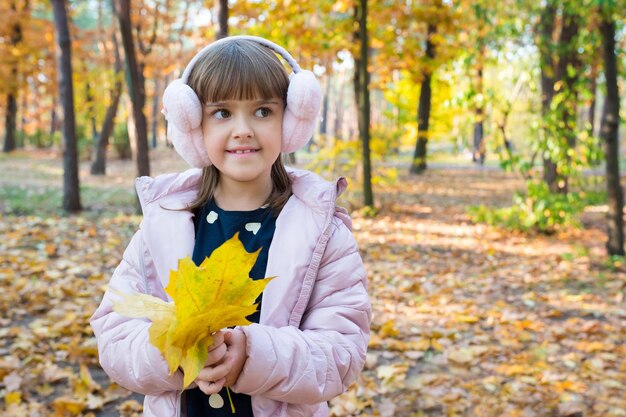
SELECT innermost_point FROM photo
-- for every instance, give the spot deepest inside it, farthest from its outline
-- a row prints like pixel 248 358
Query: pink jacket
pixel 312 338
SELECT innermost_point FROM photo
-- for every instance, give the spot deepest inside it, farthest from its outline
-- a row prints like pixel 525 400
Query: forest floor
pixel 468 319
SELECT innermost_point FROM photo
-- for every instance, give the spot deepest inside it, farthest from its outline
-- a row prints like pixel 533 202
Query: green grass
pixel 46 201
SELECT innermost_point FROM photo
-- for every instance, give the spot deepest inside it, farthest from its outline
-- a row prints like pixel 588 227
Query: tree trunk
pixel 591 117
pixel 609 132
pixel 324 121
pixel 418 165
pixel 136 84
pixel 222 18
pixel 339 108
pixel 166 82
pixel 10 120
pixel 98 164
pixel 567 71
pixel 547 66
pixel 10 141
pixel 91 106
pixel 54 119
pixel 560 66
pixel 323 130
pixel 71 186
pixel 478 145
pixel 155 111
pixel 479 136
pixel 363 100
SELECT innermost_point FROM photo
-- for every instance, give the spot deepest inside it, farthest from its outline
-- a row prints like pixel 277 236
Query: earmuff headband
pixel 269 44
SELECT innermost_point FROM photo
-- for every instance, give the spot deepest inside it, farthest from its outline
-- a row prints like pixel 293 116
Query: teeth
pixel 244 151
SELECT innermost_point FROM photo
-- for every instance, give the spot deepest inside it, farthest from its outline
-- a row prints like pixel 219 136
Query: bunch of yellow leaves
pixel 215 295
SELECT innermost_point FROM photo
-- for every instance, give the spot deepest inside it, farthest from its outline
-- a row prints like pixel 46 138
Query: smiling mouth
pixel 243 151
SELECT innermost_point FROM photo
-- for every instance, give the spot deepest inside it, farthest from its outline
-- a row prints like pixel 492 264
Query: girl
pixel 232 113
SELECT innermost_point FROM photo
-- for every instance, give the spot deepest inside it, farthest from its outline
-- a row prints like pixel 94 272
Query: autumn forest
pixel 483 143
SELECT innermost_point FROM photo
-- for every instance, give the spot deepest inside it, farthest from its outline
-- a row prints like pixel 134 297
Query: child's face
pixel 243 138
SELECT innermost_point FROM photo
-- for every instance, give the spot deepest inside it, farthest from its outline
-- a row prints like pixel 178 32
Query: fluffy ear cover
pixel 182 106
pixel 304 100
pixel 183 112
pixel 189 145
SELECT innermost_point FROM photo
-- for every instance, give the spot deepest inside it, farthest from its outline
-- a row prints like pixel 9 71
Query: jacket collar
pixel 314 191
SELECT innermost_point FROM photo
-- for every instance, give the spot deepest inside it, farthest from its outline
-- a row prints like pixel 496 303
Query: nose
pixel 242 128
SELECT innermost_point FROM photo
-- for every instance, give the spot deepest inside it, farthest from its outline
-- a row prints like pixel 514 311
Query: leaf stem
pixel 230 399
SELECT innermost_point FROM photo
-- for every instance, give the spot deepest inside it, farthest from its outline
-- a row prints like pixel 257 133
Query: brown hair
pixel 240 70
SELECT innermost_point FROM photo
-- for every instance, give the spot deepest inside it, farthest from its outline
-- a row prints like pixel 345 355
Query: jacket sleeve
pixel 125 352
pixel 319 360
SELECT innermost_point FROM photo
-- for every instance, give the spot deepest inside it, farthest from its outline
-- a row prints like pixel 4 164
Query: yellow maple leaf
pixel 215 295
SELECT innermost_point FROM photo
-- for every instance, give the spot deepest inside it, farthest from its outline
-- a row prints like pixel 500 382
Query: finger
pixel 214 373
pixel 215 355
pixel 218 340
pixel 211 387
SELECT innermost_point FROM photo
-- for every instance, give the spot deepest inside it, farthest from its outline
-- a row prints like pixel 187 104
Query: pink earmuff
pixel 183 110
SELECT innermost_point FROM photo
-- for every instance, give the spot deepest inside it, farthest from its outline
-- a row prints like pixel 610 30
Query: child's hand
pixel 236 354
pixel 212 377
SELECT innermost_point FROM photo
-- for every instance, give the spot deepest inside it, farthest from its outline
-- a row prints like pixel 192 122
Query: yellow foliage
pixel 515 369
pixel 389 329
pixel 215 295
pixel 13 398
pixel 65 406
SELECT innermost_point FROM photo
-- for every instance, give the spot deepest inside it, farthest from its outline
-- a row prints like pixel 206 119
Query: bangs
pixel 242 70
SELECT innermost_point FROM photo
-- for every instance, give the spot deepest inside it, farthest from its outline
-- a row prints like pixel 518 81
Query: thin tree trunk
pixel 91 105
pixel 363 100
pixel 591 117
pixel 134 73
pixel 502 125
pixel 547 66
pixel 166 82
pixel 54 118
pixel 505 138
pixel 98 165
pixel 324 121
pixel 609 132
pixel 130 127
pixel 10 141
pixel 323 130
pixel 155 111
pixel 10 121
pixel 71 185
pixel 339 108
pixel 479 136
pixel 478 154
pixel 567 71
pixel 22 110
pixel 222 18
pixel 418 165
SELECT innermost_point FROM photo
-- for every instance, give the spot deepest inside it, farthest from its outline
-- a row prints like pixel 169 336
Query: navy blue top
pixel 215 226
